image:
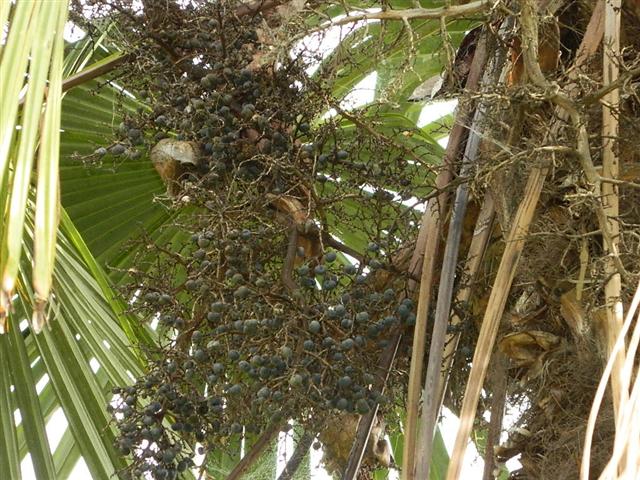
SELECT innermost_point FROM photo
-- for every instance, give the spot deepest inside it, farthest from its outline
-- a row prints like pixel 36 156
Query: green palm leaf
pixel 109 201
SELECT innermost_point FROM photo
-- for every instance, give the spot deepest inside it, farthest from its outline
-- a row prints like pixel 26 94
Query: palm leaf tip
pixel 4 309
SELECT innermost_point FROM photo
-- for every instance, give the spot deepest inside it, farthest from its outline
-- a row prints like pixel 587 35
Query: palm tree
pixel 71 338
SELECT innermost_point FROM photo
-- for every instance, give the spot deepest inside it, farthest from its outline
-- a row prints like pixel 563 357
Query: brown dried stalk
pixel 610 199
pixel 430 406
pixel 430 235
pixel 515 240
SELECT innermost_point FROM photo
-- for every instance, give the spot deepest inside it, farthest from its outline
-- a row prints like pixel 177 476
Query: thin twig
pixel 258 6
pixel 333 243
pixel 610 87
pixel 290 259
pixel 453 11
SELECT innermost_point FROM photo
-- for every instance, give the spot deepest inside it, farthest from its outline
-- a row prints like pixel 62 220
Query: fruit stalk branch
pixel 452 11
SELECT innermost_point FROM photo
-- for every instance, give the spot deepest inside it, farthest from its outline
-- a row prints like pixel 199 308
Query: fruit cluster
pixel 262 314
pixel 247 355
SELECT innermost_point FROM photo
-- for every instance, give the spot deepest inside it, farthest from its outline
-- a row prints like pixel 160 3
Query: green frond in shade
pixel 401 65
pixel 439 459
pixel 110 199
pixel 81 398
pixel 9 455
pixel 26 399
pixel 83 329
pixel 129 324
pixel 66 455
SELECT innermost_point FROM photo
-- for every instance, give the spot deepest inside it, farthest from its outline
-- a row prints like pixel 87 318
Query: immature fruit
pixel 340 310
pixel 152 297
pixel 362 406
pixel 164 299
pixel 217 306
pixel 286 352
pixel 118 149
pixel 409 303
pixel 134 133
pixel 403 311
pixel 235 389
pixel 203 242
pixel 347 344
pixel 250 325
pixel 264 392
pixel 242 292
pixel 350 269
pixel 344 382
pixel 296 380
pixel 330 257
pixel 314 326
pixel 304 127
pixel 328 342
pixel 247 111
pixel 342 155
pixel 217 368
pixel 329 284
pixel 375 264
pixel 257 360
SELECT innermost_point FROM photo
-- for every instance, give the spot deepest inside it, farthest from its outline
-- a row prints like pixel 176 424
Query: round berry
pixel 330 257
pixel 314 326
